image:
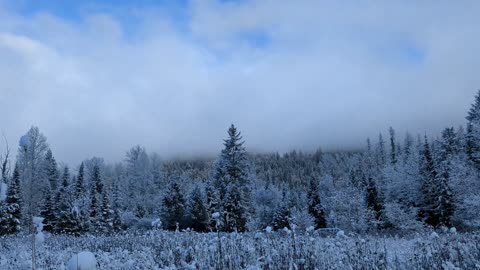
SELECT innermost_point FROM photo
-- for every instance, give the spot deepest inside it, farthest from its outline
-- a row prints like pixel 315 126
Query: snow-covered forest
pixel 404 201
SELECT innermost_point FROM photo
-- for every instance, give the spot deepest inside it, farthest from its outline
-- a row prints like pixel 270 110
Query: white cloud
pixel 331 74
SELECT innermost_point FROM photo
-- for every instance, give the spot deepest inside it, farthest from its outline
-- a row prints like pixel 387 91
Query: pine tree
pixel 173 206
pixel 51 170
pixel 380 151
pixel 428 175
pixel 232 183
pixel 213 204
pixel 376 205
pixel 198 211
pixel 315 208
pixel 105 222
pixel 48 213
pixel 11 213
pixel 93 211
pixel 282 214
pixel 393 148
pixel 445 205
pixel 473 132
pixel 79 184
pixel 97 179
pixel 116 218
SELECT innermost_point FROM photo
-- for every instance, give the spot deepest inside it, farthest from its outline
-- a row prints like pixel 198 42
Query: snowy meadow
pixel 274 250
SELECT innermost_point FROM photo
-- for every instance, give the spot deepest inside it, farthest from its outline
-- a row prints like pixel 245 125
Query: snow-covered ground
pixel 282 250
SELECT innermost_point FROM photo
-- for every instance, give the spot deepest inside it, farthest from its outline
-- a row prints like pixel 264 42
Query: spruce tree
pixel 428 175
pixel 80 182
pixel 232 183
pixel 173 206
pixel 105 222
pixel 376 205
pixel 445 205
pixel 11 211
pixel 380 151
pixel 51 170
pixel 393 148
pixel 93 211
pixel 315 208
pixel 473 132
pixel 48 213
pixel 282 214
pixel 198 211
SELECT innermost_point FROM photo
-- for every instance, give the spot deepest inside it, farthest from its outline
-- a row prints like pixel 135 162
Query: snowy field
pixel 282 250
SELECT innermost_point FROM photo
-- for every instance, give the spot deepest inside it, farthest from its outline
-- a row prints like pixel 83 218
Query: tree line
pixel 411 185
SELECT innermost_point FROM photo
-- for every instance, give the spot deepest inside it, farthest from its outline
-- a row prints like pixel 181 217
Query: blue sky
pixel 173 75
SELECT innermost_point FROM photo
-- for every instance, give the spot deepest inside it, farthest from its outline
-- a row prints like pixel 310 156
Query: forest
pixel 396 185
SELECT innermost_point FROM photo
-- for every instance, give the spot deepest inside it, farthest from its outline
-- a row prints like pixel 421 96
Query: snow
pixel 453 230
pixel 84 260
pixel 215 215
pixel 268 229
pixel 3 191
pixel 157 224
pixel 341 234
pixel 39 236
pixel 434 235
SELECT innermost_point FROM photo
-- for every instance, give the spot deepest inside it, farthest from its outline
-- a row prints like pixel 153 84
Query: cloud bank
pixel 290 74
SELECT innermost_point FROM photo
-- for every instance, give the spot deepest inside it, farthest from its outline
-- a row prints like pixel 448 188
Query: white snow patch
pixel 215 215
pixel 434 235
pixel 453 230
pixel 341 234
pixel 157 224
pixel 268 229
pixel 84 260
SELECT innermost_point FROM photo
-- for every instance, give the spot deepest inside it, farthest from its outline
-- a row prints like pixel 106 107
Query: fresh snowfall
pixel 399 203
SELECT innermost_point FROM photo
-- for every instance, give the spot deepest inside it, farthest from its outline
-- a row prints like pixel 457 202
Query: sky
pixel 98 77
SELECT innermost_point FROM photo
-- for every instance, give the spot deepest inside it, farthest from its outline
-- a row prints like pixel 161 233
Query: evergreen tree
pixel 393 148
pixel 376 205
pixel 173 206
pixel 449 148
pixel 198 211
pixel 232 183
pixel 116 218
pixel 428 175
pixel 282 214
pixel 93 211
pixel 10 212
pixel 212 198
pixel 380 151
pixel 105 221
pixel 97 179
pixel 315 208
pixel 473 132
pixel 51 170
pixel 80 182
pixel 48 213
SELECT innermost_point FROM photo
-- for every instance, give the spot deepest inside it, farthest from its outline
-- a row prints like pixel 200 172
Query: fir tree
pixel 380 151
pixel 282 214
pixel 173 206
pixel 473 132
pixel 10 214
pixel 105 222
pixel 428 174
pixel 232 183
pixel 97 179
pixel 376 205
pixel 51 170
pixel 315 208
pixel 198 211
pixel 48 213
pixel 393 148
pixel 93 211
pixel 79 183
